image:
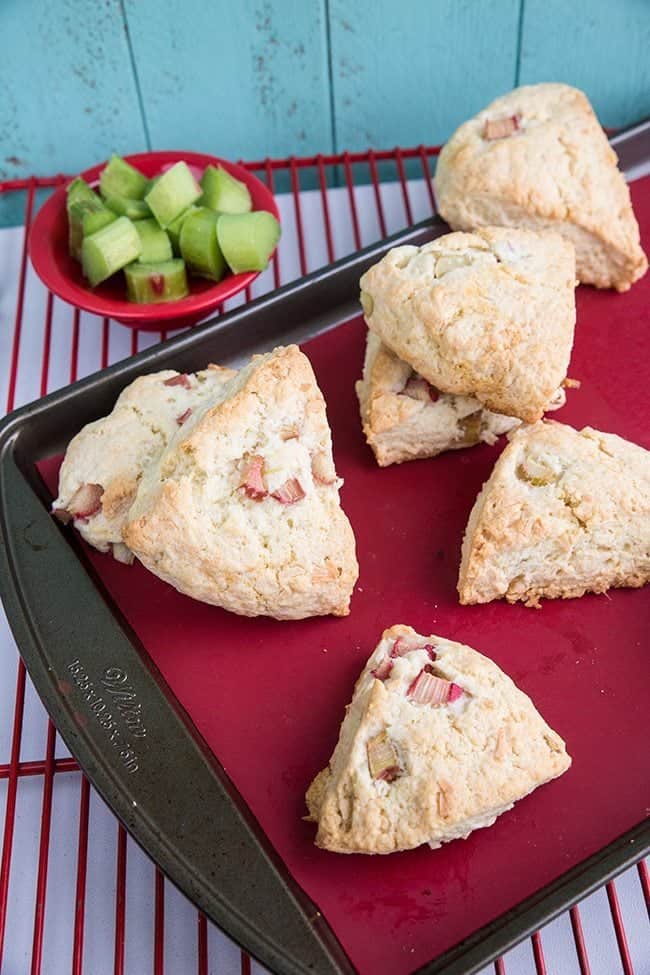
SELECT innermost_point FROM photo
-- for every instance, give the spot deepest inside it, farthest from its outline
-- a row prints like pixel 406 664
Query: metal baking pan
pixel 86 649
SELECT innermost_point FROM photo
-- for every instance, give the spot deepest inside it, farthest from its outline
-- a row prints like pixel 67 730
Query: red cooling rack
pixel 346 172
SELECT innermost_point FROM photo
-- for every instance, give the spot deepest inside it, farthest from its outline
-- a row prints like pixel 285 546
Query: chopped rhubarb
pixel 432 690
pixel 181 380
pixel 289 492
pixel 383 760
pixel 454 692
pixel 501 128
pixel 420 389
pixel 62 515
pixel 404 645
pixel 383 670
pixel 86 501
pixel 253 484
pixel 322 468
pixel 184 416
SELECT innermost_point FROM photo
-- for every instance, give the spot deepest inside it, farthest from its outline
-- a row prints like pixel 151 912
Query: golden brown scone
pixel 242 509
pixel 436 742
pixel 103 464
pixel 564 512
pixel 538 158
pixel 404 417
pixel 489 315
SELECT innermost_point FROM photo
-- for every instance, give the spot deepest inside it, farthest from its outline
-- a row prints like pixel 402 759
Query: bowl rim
pixel 41 248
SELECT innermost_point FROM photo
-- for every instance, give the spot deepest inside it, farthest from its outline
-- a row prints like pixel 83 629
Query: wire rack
pixel 333 204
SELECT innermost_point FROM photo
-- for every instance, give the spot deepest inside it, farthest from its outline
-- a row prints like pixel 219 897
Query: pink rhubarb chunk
pixel 383 670
pixel 500 128
pixel 404 645
pixel 383 760
pixel 184 416
pixel 86 501
pixel 253 484
pixel 420 389
pixel 181 380
pixel 432 690
pixel 289 492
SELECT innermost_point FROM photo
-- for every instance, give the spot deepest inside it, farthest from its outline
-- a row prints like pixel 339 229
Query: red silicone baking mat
pixel 269 697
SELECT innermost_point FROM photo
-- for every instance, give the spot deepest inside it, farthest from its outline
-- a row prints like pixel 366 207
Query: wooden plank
pixel 410 72
pixel 599 46
pixel 242 79
pixel 68 97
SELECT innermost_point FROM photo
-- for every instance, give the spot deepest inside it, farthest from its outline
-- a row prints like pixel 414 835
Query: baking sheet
pixel 583 661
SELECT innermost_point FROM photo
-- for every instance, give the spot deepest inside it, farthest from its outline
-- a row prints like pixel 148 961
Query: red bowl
pixel 48 249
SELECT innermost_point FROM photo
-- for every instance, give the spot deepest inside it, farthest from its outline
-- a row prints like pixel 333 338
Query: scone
pixel 538 158
pixel 489 315
pixel 104 462
pixel 436 742
pixel 404 417
pixel 564 512
pixel 242 508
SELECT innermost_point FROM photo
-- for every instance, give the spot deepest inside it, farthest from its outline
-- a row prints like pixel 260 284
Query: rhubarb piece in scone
pixel 242 509
pixel 105 461
pixel 489 315
pixel 437 744
pixel 538 158
pixel 404 417
pixel 563 513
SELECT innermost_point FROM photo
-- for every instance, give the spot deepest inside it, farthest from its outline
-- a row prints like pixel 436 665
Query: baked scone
pixel 436 742
pixel 489 314
pixel 538 158
pixel 404 417
pixel 242 508
pixel 104 462
pixel 563 513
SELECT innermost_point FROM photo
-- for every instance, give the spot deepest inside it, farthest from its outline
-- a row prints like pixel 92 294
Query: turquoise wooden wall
pixel 246 78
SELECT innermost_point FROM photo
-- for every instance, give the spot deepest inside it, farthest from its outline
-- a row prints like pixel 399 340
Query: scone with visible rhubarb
pixel 538 158
pixel 404 417
pixel 242 509
pixel 104 463
pixel 563 513
pixel 489 315
pixel 436 742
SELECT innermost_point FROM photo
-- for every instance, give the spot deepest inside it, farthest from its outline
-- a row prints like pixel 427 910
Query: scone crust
pixel 563 513
pixel 556 172
pixel 193 525
pixel 399 427
pixel 489 314
pixel 445 793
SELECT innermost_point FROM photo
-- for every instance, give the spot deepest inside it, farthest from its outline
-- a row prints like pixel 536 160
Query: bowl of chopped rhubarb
pixel 109 242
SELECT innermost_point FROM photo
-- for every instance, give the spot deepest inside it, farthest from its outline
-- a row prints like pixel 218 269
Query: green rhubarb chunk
pixel 174 192
pixel 223 192
pixel 155 282
pixel 79 190
pixel 156 245
pixel 85 216
pixel 120 179
pixel 247 240
pixel 109 249
pixel 174 229
pixel 125 207
pixel 199 245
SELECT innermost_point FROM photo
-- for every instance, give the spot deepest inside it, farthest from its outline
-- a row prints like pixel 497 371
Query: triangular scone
pixel 564 512
pixel 105 461
pixel 538 158
pixel 437 742
pixel 404 417
pixel 489 315
pixel 242 510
